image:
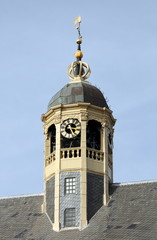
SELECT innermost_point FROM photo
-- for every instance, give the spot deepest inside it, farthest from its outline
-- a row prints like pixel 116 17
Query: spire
pixel 78 54
pixel 78 70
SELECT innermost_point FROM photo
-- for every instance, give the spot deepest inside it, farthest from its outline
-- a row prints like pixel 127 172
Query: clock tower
pixel 78 166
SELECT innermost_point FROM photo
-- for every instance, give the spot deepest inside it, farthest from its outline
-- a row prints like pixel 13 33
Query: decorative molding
pixel 105 121
pixel 53 120
pixel 84 116
pixel 43 118
pixel 96 118
pixel 64 117
pixel 45 129
pixel 56 118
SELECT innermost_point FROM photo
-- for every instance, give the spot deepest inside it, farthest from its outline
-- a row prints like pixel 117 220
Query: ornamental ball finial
pixel 78 54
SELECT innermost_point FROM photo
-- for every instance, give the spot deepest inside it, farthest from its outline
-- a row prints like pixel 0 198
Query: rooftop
pixel 131 215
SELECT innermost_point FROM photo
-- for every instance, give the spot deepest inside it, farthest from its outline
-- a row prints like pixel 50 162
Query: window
pixel 93 135
pixel 70 185
pixel 69 217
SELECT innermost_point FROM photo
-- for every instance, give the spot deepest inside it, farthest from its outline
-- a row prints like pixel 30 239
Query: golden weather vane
pixel 78 20
pixel 78 54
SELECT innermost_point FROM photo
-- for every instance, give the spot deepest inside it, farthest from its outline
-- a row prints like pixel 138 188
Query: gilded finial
pixel 78 70
pixel 78 54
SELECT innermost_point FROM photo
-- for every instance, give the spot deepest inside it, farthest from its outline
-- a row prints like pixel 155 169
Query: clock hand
pixel 69 127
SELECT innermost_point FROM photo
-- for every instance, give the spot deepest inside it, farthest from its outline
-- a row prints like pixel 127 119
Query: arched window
pixel 52 137
pixel 93 135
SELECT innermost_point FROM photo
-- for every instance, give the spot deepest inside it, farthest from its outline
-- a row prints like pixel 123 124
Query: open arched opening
pixel 93 135
pixel 52 137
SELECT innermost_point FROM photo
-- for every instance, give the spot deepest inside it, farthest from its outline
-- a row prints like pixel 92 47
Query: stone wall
pixel 95 190
pixel 50 192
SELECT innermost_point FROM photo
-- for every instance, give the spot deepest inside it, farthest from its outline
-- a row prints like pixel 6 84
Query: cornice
pixel 82 111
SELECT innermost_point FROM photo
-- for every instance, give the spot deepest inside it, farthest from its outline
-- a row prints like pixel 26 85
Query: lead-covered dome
pixel 78 92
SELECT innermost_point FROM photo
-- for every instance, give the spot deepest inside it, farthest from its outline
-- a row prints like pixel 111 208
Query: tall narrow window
pixel 52 136
pixel 70 185
pixel 70 217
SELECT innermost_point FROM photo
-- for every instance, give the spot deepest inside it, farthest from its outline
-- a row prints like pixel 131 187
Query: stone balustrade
pixel 70 153
pixel 50 159
pixel 95 154
pixel 75 153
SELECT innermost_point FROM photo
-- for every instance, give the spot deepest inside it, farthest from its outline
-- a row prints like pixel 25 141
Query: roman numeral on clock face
pixel 70 128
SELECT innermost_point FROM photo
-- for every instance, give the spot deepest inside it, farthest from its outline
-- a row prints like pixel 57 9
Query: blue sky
pixel 37 44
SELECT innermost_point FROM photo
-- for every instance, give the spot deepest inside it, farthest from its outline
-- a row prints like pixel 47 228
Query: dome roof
pixel 78 92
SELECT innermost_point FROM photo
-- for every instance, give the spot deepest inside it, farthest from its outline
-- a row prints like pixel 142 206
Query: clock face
pixel 70 128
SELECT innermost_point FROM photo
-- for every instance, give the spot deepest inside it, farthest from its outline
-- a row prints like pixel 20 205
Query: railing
pixel 95 154
pixel 76 153
pixel 50 159
pixel 70 153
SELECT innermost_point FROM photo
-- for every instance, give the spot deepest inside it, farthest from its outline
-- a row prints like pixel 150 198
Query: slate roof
pixel 131 215
pixel 78 92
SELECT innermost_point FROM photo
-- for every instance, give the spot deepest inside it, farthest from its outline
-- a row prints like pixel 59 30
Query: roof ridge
pixel 134 183
pixel 20 196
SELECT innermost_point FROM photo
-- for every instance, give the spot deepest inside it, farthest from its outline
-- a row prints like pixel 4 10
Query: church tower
pixel 78 166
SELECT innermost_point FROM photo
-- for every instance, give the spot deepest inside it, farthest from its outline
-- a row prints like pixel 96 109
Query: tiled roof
pixel 131 215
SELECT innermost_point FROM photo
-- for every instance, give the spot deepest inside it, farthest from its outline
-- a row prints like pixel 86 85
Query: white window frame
pixel 70 185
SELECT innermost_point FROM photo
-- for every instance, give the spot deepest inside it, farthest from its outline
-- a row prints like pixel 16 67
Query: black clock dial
pixel 70 128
